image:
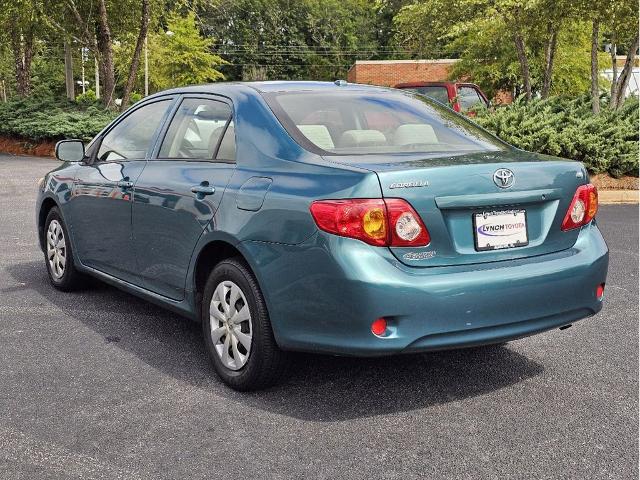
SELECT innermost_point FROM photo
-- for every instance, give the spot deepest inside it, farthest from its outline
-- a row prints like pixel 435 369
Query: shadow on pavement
pixel 319 388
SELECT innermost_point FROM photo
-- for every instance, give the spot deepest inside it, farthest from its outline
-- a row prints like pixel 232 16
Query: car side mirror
pixel 70 150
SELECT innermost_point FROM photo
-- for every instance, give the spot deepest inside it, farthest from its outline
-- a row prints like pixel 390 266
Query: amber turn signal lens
pixel 593 204
pixel 374 223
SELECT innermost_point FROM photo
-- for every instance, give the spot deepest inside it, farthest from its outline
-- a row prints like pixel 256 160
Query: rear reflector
pixel 582 209
pixel 381 222
pixel 379 326
pixel 600 291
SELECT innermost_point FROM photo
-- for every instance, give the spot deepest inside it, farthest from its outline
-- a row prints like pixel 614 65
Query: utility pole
pixel 82 63
pixel 97 78
pixel 146 67
pixel 68 71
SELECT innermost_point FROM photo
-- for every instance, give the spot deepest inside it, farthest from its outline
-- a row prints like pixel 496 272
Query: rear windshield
pixel 362 122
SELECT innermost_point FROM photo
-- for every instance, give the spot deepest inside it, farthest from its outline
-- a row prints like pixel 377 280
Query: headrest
pixel 413 133
pixel 362 138
pixel 318 134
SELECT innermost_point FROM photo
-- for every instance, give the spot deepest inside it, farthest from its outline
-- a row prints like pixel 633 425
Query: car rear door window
pixel 196 130
pixel 131 137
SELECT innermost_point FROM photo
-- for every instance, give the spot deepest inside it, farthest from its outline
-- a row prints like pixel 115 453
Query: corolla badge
pixel 412 184
pixel 419 255
pixel 503 178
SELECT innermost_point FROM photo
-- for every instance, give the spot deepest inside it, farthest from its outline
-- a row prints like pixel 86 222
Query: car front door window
pixel 132 136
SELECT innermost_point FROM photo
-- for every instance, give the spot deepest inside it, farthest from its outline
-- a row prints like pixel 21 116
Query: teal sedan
pixel 323 217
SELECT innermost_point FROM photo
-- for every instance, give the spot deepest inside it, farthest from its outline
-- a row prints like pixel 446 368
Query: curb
pixel 617 196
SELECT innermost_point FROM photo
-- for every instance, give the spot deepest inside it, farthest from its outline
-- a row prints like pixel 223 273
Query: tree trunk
pixel 549 55
pixel 22 47
pixel 68 72
pixel 524 64
pixel 595 91
pixel 105 49
pixel 625 75
pixel 135 61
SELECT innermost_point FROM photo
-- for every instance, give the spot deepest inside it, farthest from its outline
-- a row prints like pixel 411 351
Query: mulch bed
pixel 605 182
pixel 20 146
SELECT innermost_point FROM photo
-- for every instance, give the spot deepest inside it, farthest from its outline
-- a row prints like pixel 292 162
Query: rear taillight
pixel 406 226
pixel 384 223
pixel 583 207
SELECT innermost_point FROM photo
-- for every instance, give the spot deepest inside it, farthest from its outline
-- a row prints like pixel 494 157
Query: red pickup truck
pixel 460 96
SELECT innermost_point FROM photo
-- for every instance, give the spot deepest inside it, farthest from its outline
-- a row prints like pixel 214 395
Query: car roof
pixel 273 86
pixel 297 86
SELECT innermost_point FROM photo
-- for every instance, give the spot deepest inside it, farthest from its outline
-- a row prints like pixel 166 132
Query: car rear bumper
pixel 323 296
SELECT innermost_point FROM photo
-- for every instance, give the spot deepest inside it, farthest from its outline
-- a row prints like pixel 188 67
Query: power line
pixel 288 64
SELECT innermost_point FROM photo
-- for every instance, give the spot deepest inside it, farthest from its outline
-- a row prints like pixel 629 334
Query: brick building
pixel 388 73
pixel 391 72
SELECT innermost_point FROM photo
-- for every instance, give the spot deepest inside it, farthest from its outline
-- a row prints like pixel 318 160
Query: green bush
pixel 40 118
pixel 135 97
pixel 566 127
pixel 87 98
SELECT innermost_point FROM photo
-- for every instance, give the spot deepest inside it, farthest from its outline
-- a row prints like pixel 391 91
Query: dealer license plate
pixel 502 229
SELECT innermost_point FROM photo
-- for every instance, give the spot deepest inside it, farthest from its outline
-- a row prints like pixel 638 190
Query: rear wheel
pixel 58 254
pixel 237 330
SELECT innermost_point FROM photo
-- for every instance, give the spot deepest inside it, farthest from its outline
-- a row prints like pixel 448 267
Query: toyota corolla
pixel 321 217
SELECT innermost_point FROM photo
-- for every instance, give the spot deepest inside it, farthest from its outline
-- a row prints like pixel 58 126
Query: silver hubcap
pixel 56 249
pixel 231 329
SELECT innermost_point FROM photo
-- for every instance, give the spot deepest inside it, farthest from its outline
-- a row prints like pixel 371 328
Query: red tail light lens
pixel 582 209
pixel 390 222
pixel 365 220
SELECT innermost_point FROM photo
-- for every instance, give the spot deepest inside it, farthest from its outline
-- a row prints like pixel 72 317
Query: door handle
pixel 203 190
pixel 124 184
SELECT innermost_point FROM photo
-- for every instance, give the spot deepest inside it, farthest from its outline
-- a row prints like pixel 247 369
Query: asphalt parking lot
pixel 100 384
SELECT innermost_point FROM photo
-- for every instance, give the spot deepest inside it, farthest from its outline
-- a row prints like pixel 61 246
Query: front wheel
pixel 58 254
pixel 237 330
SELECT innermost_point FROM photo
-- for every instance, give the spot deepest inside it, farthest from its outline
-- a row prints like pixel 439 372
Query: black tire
pixel 266 363
pixel 70 279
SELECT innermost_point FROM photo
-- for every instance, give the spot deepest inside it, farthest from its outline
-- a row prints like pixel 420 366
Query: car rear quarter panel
pixel 275 181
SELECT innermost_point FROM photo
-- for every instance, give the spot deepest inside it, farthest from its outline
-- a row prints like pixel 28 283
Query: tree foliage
pixel 182 56
pixel 535 46
pixel 284 39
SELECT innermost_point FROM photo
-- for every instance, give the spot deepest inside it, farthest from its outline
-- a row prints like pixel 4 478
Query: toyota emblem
pixel 503 178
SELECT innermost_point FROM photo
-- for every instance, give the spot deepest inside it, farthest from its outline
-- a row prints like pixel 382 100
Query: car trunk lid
pixel 447 192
